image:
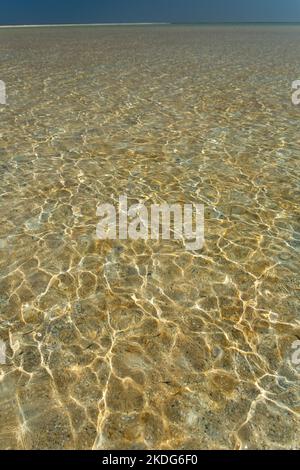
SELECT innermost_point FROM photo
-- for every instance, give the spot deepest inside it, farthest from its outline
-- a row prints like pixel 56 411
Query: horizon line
pixel 46 25
pixel 51 25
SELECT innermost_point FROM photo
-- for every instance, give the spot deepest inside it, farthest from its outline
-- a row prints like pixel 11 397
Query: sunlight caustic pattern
pixel 122 344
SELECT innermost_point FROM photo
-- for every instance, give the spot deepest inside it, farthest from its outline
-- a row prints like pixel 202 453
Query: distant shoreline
pixel 58 25
pixel 63 25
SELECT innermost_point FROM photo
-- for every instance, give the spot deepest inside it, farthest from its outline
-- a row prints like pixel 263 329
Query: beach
pixel 143 344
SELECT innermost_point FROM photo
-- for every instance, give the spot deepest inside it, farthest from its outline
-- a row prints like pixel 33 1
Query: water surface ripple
pixel 142 344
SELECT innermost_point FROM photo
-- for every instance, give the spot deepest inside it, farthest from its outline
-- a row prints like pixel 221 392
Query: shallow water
pixel 143 344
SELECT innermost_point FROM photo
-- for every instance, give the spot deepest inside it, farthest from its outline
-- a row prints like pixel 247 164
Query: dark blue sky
pixel 105 11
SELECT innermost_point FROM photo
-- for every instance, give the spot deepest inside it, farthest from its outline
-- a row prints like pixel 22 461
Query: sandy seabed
pixel 123 344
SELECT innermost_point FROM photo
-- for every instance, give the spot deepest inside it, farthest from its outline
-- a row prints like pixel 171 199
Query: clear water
pixel 142 344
